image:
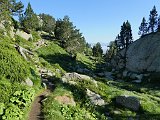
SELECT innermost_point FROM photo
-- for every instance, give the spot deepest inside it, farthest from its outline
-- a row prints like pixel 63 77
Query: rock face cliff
pixel 143 55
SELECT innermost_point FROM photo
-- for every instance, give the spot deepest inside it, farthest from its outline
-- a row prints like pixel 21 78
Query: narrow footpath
pixel 36 108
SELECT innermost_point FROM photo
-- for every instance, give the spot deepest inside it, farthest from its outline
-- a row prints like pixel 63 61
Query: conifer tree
pixel 143 27
pixel 29 19
pixel 125 37
pixel 48 23
pixel 97 50
pixel 152 20
pixel 9 8
pixel 63 30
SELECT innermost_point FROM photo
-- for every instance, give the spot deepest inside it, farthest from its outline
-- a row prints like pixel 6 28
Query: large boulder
pixel 142 55
pixel 130 102
pixel 24 35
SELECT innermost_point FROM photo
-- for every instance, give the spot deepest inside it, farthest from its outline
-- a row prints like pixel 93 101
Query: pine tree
pixel 29 19
pixel 63 30
pixel 118 42
pixel 143 27
pixel 9 8
pixel 97 50
pixel 48 23
pixel 70 38
pixel 17 7
pixel 125 37
pixel 152 20
pixel 112 51
pixel 128 34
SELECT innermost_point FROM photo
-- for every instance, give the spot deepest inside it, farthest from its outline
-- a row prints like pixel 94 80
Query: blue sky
pixel 98 20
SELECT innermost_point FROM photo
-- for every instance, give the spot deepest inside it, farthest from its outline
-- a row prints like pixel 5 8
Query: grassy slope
pixel 53 54
pixel 15 98
pixel 54 57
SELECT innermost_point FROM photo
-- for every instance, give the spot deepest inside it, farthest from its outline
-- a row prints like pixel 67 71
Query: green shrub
pixel 12 113
pixel 2 107
pixel 36 36
pixel 23 42
pixel 13 67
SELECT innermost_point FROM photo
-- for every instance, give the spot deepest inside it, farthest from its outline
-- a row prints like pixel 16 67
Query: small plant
pixel 12 112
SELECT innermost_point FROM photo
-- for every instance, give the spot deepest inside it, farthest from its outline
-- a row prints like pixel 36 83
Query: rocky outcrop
pixel 95 98
pixel 130 102
pixel 142 55
pixel 23 51
pixel 24 35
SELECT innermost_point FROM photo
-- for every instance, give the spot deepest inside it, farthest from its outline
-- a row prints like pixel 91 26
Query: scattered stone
pixel 11 32
pixel 101 74
pixel 65 100
pixel 95 98
pixel 95 82
pixel 137 81
pixel 139 77
pixel 125 73
pixel 108 75
pixel 28 82
pixel 44 85
pixel 117 112
pixel 58 71
pixel 22 51
pixel 130 102
pixel 40 43
pixel 73 76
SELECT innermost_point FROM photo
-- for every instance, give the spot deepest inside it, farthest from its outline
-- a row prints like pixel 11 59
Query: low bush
pixel 13 67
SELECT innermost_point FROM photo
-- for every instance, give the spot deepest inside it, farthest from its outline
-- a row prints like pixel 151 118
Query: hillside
pixel 49 72
pixel 80 88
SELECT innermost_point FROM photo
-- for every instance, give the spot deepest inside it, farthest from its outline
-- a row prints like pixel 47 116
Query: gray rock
pixel 44 85
pixel 28 82
pixel 142 55
pixel 125 73
pixel 136 76
pixel 108 75
pixel 137 81
pixel 58 70
pixel 139 77
pixel 73 76
pixel 95 98
pixel 117 112
pixel 24 35
pixel 101 74
pixel 2 26
pixel 12 33
pixel 95 82
pixel 130 102
pixel 83 70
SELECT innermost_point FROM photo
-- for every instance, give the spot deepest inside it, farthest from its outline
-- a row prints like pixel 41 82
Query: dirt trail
pixel 36 108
